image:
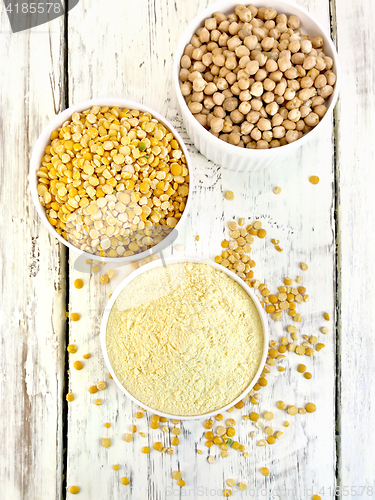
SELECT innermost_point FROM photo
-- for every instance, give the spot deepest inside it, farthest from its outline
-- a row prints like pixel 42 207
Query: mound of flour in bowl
pixel 184 340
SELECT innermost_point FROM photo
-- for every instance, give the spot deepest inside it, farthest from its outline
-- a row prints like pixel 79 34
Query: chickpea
pixel 234 138
pixel 320 110
pixel 289 94
pixel 279 132
pixel 331 77
pixel 185 62
pixel 199 84
pixel 264 124
pixel 208 103
pixel 186 88
pixel 271 65
pixel 317 42
pixel 195 107
pixel 309 62
pixel 305 110
pixel 246 127
pixel 244 95
pixel 294 115
pixel 272 108
pixel 267 43
pixel 236 116
pixel 210 24
pixel 217 124
pixel 326 91
pixel 277 119
pixel 204 35
pixel 231 78
pixel 207 59
pixel 201 118
pixel 245 106
pixel 197 96
pixel 210 89
pixel 218 98
pixel 256 89
pixel 256 134
pixel 298 58
pixel 312 119
pixel 251 42
pixel 289 125
pixel 219 112
pixel 306 46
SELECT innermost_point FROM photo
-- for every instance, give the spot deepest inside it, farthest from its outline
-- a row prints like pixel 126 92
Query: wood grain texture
pixel 32 292
pixel 356 176
pixel 127 51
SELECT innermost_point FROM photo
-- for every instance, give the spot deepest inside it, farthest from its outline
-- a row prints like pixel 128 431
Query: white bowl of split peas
pixel 111 179
pixel 254 82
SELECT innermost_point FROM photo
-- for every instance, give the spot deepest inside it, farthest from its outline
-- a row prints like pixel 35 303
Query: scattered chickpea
pixel 116 467
pixel 277 190
pixel 307 375
pixel 125 480
pixel 177 475
pixel 98 402
pixel 93 389
pixel 314 179
pixel 74 316
pixel 229 195
pixel 101 386
pixel 70 397
pixel 326 316
pixel 71 348
pixel 74 490
pixel 304 266
pixel 268 415
pixel 301 368
pixel 78 365
pixel 281 405
pixel 146 450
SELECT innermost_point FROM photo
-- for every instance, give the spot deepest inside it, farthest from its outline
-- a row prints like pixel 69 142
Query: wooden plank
pixel 137 64
pixel 356 263
pixel 32 321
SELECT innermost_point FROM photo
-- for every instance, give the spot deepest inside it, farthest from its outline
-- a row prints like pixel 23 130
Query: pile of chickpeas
pixel 254 80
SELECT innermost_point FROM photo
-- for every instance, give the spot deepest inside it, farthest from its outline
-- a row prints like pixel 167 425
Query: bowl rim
pixel 223 5
pixel 177 260
pixel 38 152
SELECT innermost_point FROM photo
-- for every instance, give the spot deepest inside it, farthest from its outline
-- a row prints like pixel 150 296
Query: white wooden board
pixel 137 64
pixel 32 263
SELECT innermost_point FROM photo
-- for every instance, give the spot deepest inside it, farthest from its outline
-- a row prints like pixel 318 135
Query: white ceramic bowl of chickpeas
pixel 254 82
pixel 106 175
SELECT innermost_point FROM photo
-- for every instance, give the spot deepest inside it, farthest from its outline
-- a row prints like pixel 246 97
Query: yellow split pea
pixel 113 182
